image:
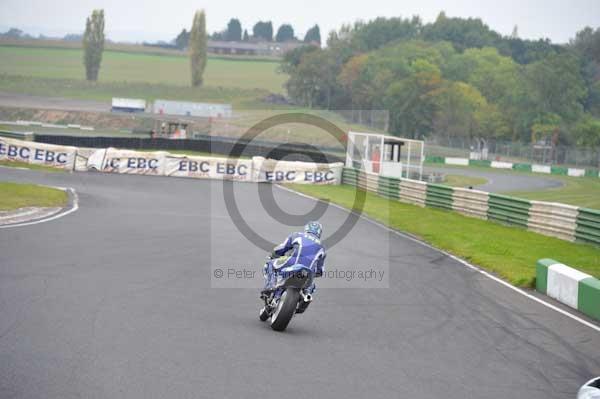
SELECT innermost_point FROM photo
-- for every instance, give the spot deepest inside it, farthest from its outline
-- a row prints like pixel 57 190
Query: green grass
pixel 15 195
pixel 464 181
pixel 509 252
pixel 579 191
pixel 117 66
pixel 19 164
pixel 105 91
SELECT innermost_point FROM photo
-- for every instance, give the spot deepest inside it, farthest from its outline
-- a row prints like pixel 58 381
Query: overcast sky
pixel 137 20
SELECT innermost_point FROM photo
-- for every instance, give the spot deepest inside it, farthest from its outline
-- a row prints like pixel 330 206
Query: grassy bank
pixel 14 196
pixel 104 91
pixel 118 66
pixel 509 252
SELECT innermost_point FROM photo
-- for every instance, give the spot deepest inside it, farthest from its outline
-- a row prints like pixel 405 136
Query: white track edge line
pixel 54 217
pixel 456 258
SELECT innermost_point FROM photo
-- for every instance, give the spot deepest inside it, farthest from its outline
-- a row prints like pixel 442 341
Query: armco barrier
pixel 508 210
pixel 558 220
pixel 439 196
pixel 588 226
pixel 562 221
pixel 389 187
pixel 569 286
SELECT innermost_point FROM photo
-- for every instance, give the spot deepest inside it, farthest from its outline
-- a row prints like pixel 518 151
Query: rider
pixel 302 248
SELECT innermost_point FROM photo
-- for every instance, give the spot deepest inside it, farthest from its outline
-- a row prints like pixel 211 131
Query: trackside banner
pixel 37 153
pixel 273 171
pixel 112 160
pixel 161 163
pixel 209 168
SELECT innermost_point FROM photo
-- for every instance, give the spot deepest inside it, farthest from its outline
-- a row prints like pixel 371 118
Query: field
pixel 14 195
pixel 512 253
pixel 117 66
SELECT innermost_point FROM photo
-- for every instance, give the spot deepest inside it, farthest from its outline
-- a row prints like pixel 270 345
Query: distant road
pixel 499 181
pixel 57 103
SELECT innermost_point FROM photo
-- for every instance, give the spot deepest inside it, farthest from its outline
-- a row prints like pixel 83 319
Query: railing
pixel 562 221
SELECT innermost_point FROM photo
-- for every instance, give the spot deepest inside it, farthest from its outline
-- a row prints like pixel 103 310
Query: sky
pixel 150 20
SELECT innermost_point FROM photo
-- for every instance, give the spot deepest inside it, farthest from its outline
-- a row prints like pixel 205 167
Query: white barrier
pixel 161 163
pixel 269 170
pixel 541 169
pixel 576 172
pixel 209 168
pixel 501 165
pixel 457 161
pixel 563 284
pixel 37 153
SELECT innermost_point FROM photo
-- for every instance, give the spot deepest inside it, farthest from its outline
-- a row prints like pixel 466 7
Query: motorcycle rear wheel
pixel 286 307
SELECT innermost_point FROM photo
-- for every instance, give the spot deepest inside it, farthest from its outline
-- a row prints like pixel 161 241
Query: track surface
pixel 115 301
pixel 499 181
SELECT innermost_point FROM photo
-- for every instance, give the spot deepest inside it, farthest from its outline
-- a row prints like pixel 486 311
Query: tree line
pixel 455 77
pixel 261 31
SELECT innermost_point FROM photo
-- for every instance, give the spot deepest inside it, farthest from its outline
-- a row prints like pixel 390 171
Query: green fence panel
pixel 559 170
pixel 350 176
pixel 475 162
pixel 588 297
pixel 591 173
pixel 388 187
pixel 522 167
pixel 439 196
pixel 541 274
pixel 508 209
pixel 588 226
pixel 435 159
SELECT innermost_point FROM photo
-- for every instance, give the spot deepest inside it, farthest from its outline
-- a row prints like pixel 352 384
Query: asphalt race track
pixel 499 181
pixel 114 301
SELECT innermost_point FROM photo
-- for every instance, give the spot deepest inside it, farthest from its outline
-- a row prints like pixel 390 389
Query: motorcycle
pixel 288 297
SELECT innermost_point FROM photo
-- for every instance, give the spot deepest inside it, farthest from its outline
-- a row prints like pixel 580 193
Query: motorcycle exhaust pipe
pixel 306 297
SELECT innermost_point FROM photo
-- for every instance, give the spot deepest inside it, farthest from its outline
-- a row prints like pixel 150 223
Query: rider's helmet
pixel 314 228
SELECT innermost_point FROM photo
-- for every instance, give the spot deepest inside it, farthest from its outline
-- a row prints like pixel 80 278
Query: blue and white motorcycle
pixel 290 293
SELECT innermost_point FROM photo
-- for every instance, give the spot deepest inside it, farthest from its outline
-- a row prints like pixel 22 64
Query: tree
pixel 246 36
pixel 556 86
pixel 587 132
pixel 198 44
pixel 182 40
pixel 234 30
pixel 263 30
pixel 313 35
pixel 285 33
pixel 93 44
pixel 462 33
pixel 380 31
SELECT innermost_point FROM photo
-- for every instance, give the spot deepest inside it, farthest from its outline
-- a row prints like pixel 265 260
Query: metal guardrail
pixel 562 221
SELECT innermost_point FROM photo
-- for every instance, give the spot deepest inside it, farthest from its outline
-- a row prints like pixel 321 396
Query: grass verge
pixel 15 195
pixel 509 252
pixel 18 164
pixel 464 181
